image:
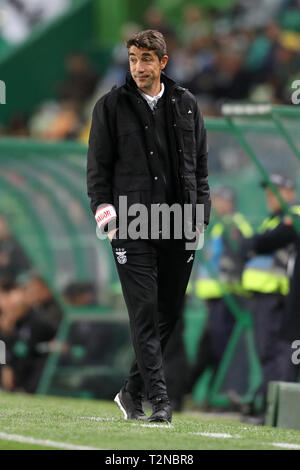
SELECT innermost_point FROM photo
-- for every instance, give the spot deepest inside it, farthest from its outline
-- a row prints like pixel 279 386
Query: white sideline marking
pixel 286 445
pixel 167 425
pixel 214 434
pixel 42 442
pixel 95 418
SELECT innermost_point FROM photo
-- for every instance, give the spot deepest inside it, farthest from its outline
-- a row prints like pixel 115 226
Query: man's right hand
pixel 112 233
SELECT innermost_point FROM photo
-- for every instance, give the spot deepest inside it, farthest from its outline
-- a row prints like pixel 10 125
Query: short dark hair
pixel 150 39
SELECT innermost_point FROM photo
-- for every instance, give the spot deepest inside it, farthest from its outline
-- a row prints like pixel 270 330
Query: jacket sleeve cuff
pixel 104 215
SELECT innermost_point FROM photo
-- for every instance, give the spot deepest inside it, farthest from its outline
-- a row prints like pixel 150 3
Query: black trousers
pixel 274 353
pixel 154 275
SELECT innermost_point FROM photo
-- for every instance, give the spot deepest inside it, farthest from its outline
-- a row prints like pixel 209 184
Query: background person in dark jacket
pixel 283 236
pixel 148 142
pixel 223 269
pixel 266 275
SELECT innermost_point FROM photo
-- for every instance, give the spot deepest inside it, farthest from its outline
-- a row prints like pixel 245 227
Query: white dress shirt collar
pixel 152 100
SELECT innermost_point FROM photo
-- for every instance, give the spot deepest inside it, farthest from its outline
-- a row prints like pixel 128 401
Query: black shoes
pixel 130 405
pixel 162 410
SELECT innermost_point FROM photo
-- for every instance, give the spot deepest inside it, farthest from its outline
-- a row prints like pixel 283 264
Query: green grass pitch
pixel 39 422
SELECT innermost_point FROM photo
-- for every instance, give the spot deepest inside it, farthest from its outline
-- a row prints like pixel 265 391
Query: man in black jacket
pixel 148 143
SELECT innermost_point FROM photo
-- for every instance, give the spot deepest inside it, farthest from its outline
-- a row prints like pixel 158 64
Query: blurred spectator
pixel 219 285
pixel 248 51
pixel 65 123
pixel 62 119
pixel 234 56
pixel 13 260
pixel 225 78
pixel 283 67
pixel 39 297
pixel 29 320
pixel 81 293
pixel 290 15
pixel 266 277
pixel 256 13
pixel 154 18
pixel 42 119
pixel 80 81
pixel 18 125
pixel 196 26
pixel 19 17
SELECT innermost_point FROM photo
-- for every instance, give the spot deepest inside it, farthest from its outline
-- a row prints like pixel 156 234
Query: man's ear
pixel 163 62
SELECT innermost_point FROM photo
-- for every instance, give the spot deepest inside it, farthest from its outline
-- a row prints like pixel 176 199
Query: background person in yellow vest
pixel 266 276
pixel 286 235
pixel 224 268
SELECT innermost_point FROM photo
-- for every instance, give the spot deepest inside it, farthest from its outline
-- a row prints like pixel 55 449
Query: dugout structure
pixel 43 199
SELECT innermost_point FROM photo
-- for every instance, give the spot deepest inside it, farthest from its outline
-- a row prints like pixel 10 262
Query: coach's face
pixel 145 68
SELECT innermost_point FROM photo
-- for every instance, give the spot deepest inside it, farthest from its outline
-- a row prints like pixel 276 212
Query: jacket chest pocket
pixel 128 130
pixel 131 149
pixel 188 141
pixel 129 141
